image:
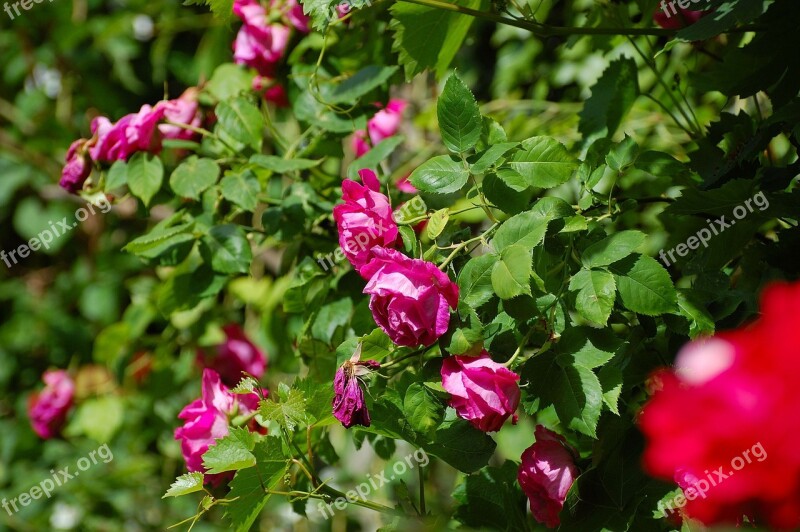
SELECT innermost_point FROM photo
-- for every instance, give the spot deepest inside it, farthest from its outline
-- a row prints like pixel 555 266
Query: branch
pixel 544 30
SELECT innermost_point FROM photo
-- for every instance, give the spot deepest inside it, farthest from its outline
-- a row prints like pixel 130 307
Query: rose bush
pixel 435 219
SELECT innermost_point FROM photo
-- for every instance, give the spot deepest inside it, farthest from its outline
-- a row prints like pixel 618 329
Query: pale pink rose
pixel 482 391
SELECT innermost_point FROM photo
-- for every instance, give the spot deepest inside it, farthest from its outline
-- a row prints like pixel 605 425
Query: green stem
pixel 544 30
pixel 443 266
pixel 519 350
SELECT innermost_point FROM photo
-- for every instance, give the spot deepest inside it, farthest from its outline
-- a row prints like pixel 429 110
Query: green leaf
pixel 512 273
pixel 440 175
pixel 727 15
pixel 612 248
pixel 247 495
pixel 98 418
pixel 117 176
pixel 611 380
pixel 644 285
pixel 543 162
pixel 231 453
pixel 241 121
pixel 193 176
pixel 461 445
pixel 623 155
pixel 361 83
pixel 159 240
pixel 145 175
pixel 421 408
pixel 490 156
pixel 428 38
pixel 288 413
pixel 281 165
pixel 241 188
pixel 475 280
pixel 437 223
pixel 595 296
pixel 229 80
pixel 701 323
pixel 572 389
pixel 459 116
pixel 612 97
pixel 185 484
pixel 227 249
pixel 526 229
pixel 491 499
pixel 374 157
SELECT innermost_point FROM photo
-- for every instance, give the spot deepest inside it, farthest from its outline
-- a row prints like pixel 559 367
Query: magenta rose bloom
pixel 384 124
pixel 142 130
pixel 78 167
pixel 48 409
pixel 364 220
pixel 182 110
pixel 207 420
pixel 109 142
pixel 349 405
pixel 409 298
pixel 234 356
pixel 482 391
pixel 259 44
pixel 546 473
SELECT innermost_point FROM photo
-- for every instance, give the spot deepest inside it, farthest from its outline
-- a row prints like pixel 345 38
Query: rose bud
pixel 349 406
pixel 546 473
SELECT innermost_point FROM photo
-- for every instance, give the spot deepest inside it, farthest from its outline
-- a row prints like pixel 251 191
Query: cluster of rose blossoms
pixel 209 418
pixel 725 394
pixel 262 40
pixel 410 300
pixel 135 132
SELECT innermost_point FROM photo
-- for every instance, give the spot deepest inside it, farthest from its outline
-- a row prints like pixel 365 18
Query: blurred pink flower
pixel 78 167
pixel 235 355
pixel 183 110
pixel 48 408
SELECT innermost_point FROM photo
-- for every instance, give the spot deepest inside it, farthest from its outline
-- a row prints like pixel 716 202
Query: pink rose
pixel 482 391
pixel 206 420
pixel 48 409
pixel 364 220
pixel 271 90
pixel 409 298
pixel 384 124
pixel 141 131
pixel 109 140
pixel 349 405
pixel 258 44
pixel 404 185
pixel 546 473
pixel 295 16
pixel 234 356
pixel 78 167
pixel 182 110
